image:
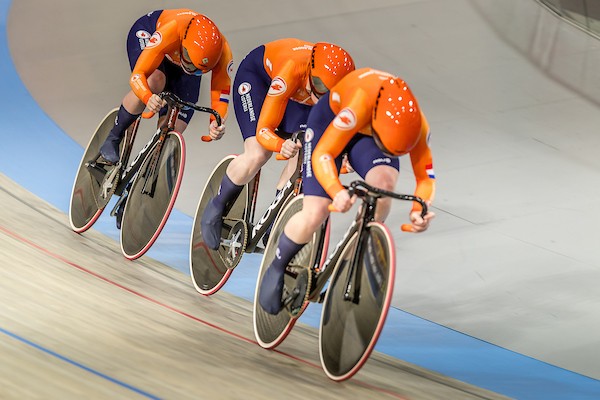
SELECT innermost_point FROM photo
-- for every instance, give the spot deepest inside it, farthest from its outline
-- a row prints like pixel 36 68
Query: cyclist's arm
pixel 283 85
pixel 333 141
pixel 161 42
pixel 422 163
pixel 220 83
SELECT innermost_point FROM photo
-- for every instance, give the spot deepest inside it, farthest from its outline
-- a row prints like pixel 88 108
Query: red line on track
pixel 180 312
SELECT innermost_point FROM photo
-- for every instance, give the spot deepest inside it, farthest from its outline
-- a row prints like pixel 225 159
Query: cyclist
pixel 171 50
pixel 374 118
pixel 274 88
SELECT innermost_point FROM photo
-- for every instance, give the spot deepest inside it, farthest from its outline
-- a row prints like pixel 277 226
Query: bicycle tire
pixel 208 270
pixel 83 207
pixel 348 331
pixel 145 215
pixel 270 330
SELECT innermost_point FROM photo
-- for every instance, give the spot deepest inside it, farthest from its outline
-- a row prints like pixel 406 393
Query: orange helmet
pixel 328 65
pixel 201 46
pixel 396 119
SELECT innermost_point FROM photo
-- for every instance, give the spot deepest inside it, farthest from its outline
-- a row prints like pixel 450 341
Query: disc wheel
pixel 270 330
pixel 350 327
pixel 152 196
pixel 210 269
pixel 91 192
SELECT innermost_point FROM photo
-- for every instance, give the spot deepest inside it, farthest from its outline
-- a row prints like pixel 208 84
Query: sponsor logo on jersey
pixel 382 160
pixel 246 100
pixel 264 132
pixel 278 86
pixel 230 69
pixel 304 47
pixel 244 88
pixel 335 97
pixel 143 37
pixel 136 80
pixel 309 135
pixel 307 164
pixel 141 34
pixel 345 120
pixel 155 40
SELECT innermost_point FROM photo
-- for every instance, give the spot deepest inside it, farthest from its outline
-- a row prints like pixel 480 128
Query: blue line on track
pixel 79 365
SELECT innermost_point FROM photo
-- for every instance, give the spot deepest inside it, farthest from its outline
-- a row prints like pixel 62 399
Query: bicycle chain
pixel 229 265
pixel 111 191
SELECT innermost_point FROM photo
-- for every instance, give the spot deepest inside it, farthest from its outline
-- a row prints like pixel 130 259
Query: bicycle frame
pixel 128 174
pixel 175 105
pixel 365 215
pixel 292 186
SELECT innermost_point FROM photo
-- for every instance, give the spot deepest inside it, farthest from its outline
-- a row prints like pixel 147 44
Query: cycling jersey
pixel 165 42
pixel 270 81
pixel 346 114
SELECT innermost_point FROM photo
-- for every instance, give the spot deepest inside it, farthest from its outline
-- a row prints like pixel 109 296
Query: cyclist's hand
pixel 155 103
pixel 290 148
pixel 342 201
pixel 216 132
pixel 419 224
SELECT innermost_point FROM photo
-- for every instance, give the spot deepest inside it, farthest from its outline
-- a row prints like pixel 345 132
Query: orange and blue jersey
pixel 270 93
pixel 341 123
pixel 157 36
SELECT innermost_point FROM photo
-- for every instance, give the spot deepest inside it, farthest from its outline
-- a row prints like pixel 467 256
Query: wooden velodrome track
pixel 80 321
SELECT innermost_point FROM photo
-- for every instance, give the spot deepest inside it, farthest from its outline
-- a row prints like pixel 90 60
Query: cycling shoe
pixel 271 290
pixel 110 150
pixel 211 225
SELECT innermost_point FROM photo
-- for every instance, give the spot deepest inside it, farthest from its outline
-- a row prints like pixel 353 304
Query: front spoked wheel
pixel 270 330
pixel 352 320
pixel 93 187
pixel 152 196
pixel 210 269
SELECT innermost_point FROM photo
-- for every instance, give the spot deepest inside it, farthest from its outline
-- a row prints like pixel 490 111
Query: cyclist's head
pixel 201 46
pixel 328 65
pixel 396 119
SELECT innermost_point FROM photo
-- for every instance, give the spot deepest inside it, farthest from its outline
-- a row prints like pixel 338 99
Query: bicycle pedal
pixel 298 283
pixel 322 295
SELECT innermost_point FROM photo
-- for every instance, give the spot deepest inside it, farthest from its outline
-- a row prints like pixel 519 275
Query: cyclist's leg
pixel 240 171
pixel 376 168
pixel 383 177
pixel 250 89
pixel 298 231
pixel 301 226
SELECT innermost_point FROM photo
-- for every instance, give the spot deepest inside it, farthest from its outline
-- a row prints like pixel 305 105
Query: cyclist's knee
pixel 157 81
pixel 301 227
pixel 382 177
pixel 315 211
pixel 256 156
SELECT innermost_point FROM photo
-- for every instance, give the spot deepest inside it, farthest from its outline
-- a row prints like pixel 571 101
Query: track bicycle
pixel 360 275
pixel 147 187
pixel 210 269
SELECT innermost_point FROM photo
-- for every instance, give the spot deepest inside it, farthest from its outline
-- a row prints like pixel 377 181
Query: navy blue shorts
pixel 362 151
pixel 251 85
pixel 187 87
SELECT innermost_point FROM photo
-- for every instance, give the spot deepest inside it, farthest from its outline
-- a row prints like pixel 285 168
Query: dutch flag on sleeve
pixel 429 170
pixel 224 96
